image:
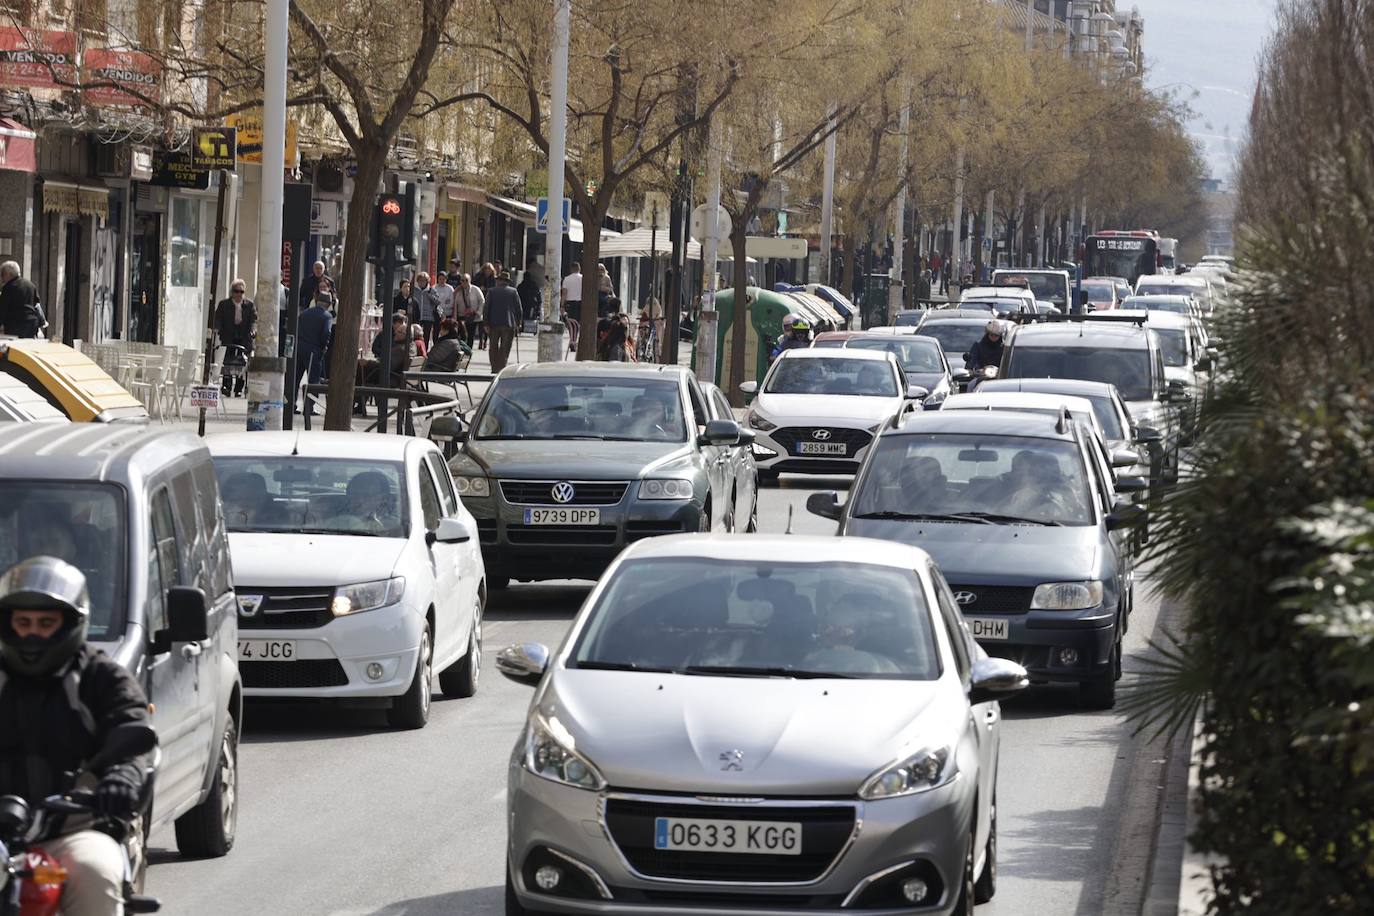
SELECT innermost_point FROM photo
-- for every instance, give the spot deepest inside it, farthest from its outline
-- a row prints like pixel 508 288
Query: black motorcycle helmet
pixel 43 584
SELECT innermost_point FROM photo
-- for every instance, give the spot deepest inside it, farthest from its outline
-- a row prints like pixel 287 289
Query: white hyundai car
pixel 818 410
pixel 357 569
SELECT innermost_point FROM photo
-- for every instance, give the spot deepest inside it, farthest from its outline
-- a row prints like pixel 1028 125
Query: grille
pixel 789 436
pixel 287 608
pixel 771 900
pixel 315 672
pixel 995 599
pixel 815 466
pixel 635 531
pixel 585 492
pixel 590 535
pixel 825 831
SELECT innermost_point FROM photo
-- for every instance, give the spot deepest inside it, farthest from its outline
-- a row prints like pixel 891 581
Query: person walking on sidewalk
pixel 503 317
pixel 443 306
pixel 531 296
pixel 236 320
pixel 311 284
pixel 20 313
pixel 468 302
pixel 313 330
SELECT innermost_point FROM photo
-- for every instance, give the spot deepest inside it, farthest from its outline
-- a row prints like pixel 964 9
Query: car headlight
pixel 472 486
pixel 931 768
pixel 549 753
pixel 366 596
pixel 669 488
pixel 1067 596
pixel 760 422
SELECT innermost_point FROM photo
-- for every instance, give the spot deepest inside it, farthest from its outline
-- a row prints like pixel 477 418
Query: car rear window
pixel 1127 369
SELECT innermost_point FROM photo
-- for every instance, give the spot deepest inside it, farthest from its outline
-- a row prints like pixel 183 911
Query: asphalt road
pixel 341 815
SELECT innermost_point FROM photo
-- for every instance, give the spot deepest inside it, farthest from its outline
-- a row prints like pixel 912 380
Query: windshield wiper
pixel 339 531
pixel 974 517
pixel 758 671
pixel 622 666
pixel 994 518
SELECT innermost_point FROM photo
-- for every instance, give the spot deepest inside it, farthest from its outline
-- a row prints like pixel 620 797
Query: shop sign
pixel 130 77
pixel 178 170
pixel 141 163
pixel 324 217
pixel 33 57
pixel 214 147
pixel 249 126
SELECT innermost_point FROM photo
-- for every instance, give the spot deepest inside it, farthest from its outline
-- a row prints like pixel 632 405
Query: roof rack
pixel 1099 316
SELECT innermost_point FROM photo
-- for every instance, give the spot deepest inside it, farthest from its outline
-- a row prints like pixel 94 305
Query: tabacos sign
pixel 120 77
pixel 37 59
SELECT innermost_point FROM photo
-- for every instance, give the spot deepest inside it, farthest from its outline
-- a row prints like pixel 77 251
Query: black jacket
pixel 446 353
pixel 19 311
pixel 313 329
pixel 231 334
pixel 52 725
pixel 531 297
pixel 310 284
pixel 984 353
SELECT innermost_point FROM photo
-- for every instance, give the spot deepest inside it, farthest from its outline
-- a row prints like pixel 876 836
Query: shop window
pixel 185 242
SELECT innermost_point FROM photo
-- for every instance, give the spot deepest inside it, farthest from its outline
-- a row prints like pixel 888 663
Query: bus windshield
pixel 1120 256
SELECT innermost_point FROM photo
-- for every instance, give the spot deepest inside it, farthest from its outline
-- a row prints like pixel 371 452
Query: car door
pixel 469 555
pixel 173 670
pixel 450 631
pixel 716 458
pixel 739 466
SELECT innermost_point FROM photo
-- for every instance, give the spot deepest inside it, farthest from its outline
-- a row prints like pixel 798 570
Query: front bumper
pixel 1039 640
pixel 331 661
pixel 535 552
pixel 779 449
pixel 924 832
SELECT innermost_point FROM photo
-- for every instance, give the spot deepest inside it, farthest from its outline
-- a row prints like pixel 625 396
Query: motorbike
pixel 31 879
pixel 983 374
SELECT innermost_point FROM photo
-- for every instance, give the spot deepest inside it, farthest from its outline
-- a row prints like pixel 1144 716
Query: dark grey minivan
pixel 138 512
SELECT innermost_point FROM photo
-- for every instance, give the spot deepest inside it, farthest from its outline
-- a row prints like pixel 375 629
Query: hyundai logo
pixel 249 605
pixel 732 761
pixel 821 434
pixel 965 597
pixel 563 492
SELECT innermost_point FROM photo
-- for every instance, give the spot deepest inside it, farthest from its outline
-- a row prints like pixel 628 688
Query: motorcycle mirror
pixel 124 741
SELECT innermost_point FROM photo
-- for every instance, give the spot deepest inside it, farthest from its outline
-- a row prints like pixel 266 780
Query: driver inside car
pixel 369 506
pixel 649 418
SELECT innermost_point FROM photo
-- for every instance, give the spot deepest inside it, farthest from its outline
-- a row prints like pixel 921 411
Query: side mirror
pixel 721 432
pixel 826 504
pixel 1131 485
pixel 750 388
pixel 995 679
pixel 524 664
pixel 1147 435
pixel 1126 515
pixel 961 376
pixel 1124 458
pixel 447 429
pixel 916 392
pixel 188 614
pixel 1176 390
pixel 747 436
pixel 450 531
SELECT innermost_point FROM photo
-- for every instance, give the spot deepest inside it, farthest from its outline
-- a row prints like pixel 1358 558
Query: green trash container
pixel 766 311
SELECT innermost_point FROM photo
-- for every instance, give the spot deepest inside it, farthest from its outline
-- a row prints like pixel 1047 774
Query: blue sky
pixel 1207 50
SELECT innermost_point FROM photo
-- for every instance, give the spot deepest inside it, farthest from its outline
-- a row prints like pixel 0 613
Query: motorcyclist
pixel 798 336
pixel 59 700
pixel 987 352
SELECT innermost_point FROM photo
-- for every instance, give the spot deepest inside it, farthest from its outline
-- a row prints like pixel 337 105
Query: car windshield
pixel 955 337
pixel 913 353
pixel 838 375
pixel 1099 292
pixel 313 495
pixel 1173 344
pixel 629 409
pixel 1127 369
pixel 1049 287
pixel 743 618
pixel 908 319
pixel 1165 289
pixel 1177 306
pixel 81 523
pixel 975 478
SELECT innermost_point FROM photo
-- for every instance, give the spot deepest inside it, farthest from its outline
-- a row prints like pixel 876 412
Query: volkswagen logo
pixel 822 435
pixel 965 597
pixel 732 761
pixel 563 492
pixel 249 605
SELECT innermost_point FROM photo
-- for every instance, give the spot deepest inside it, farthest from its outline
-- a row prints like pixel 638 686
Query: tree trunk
pixel 343 351
pixel 739 240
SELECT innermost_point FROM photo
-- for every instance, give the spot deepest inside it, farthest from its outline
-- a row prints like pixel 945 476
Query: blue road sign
pixel 541 214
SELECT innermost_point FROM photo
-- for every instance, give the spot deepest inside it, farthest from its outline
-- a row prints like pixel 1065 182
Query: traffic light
pixel 393 225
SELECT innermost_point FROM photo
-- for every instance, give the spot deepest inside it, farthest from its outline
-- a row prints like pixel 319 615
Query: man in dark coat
pixel 313 330
pixel 988 350
pixel 503 318
pixel 20 314
pixel 312 283
pixel 531 296
pixel 236 321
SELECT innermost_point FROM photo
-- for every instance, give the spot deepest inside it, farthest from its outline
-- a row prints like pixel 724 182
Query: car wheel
pixel 460 678
pixel 1100 691
pixel 968 894
pixel 985 888
pixel 207 830
pixel 498 581
pixel 411 709
pixel 513 905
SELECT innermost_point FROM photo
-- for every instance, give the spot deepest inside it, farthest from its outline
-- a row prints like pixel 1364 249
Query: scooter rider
pixel 987 352
pixel 59 699
pixel 797 336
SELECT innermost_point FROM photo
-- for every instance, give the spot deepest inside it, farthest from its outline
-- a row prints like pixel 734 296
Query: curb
pixel 1195 879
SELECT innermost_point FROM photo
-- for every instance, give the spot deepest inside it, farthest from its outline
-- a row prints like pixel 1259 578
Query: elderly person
pixel 236 321
pixel 449 350
pixel 20 314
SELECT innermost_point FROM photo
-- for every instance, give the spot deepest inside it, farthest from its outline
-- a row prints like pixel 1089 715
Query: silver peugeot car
pixel 730 728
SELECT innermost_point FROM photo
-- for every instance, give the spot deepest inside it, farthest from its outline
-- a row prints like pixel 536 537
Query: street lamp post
pixel 551 328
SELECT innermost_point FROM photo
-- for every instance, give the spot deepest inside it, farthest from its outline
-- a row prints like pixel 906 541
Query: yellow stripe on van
pixel 81 388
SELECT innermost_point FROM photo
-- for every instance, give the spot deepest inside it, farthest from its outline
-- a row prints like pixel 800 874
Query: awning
pixel 528 213
pixel 18 150
pixel 641 243
pixel 76 199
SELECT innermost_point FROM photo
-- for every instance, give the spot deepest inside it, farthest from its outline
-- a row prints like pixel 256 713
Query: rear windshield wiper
pixel 621 666
pixel 994 518
pixel 974 517
pixel 754 671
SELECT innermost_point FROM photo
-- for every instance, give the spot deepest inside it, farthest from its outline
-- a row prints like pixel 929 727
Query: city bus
pixel 1121 253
